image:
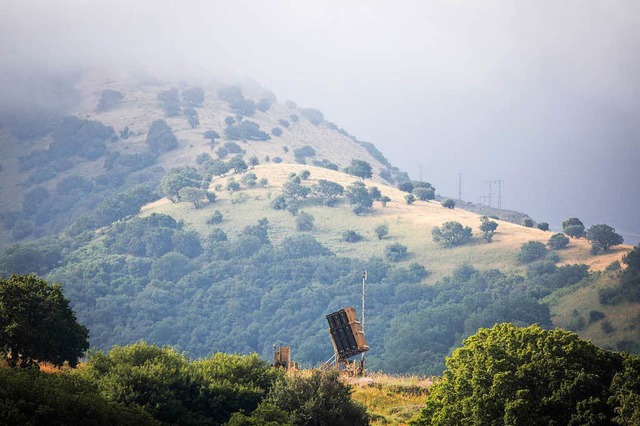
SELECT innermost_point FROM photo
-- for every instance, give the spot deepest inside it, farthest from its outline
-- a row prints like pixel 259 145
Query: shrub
pixel 558 241
pixel 381 231
pixel 276 131
pixel 424 194
pixel 301 154
pixel 110 99
pixel 527 222
pixel 595 316
pixel 543 226
pixel 284 123
pixel 448 203
pixel 532 251
pixel 395 252
pixel 488 227
pixel 313 115
pixel 160 137
pixel 304 222
pixel 193 96
pixel 360 168
pixel 573 227
pixel 603 237
pixel 351 236
pixel 215 218
pixel 410 198
pixel 232 147
pixel 246 130
pixel 451 234
pixel 277 160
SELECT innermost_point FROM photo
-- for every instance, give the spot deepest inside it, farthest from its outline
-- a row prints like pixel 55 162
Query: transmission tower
pixel 489 182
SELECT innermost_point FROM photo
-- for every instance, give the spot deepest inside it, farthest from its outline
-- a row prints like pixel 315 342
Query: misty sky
pixel 542 94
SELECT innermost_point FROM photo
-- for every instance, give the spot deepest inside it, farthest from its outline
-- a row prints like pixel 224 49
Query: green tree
pixel 320 400
pixel 384 200
pixel 510 375
pixel 360 168
pixel 488 227
pixel 448 203
pixel 351 236
pixel 238 164
pixel 196 196
pixel 424 194
pixel 451 234
pixel 359 197
pixel 527 222
pixel 558 241
pixel 410 198
pixel 177 179
pixel 328 191
pixel 160 137
pixel 381 231
pixel 304 222
pixel 573 227
pixel 395 252
pixel 37 324
pixel 193 96
pixel 602 237
pixel 543 226
pixel 531 251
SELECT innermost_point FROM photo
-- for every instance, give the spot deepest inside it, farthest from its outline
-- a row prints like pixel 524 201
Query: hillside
pixel 230 243
pixel 409 225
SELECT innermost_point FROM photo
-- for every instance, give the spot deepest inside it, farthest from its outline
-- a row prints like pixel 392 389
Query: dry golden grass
pixel 390 399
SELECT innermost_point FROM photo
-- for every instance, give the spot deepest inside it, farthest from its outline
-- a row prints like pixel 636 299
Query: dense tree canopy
pixel 508 375
pixel 360 168
pixel 602 238
pixel 451 234
pixel 37 324
pixel 573 227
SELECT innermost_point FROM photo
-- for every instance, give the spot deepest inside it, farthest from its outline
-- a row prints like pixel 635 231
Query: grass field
pixel 408 224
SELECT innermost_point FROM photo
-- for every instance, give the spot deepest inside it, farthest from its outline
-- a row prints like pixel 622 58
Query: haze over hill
pixel 540 94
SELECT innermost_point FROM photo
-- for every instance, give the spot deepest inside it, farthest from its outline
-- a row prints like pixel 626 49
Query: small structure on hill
pixel 282 358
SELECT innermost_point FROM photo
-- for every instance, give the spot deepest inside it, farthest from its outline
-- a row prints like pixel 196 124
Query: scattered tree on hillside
pixel 351 236
pixel 160 137
pixel 406 186
pixel 359 197
pixel 300 154
pixel 381 231
pixel 558 241
pixel 512 375
pixel 531 251
pixel 359 168
pixel 602 238
pixel 315 117
pixel 37 324
pixel 242 106
pixel 216 218
pixel 395 252
pixel 451 234
pixel 424 194
pixel 246 130
pixel 328 191
pixel 410 198
pixel 212 135
pixel 304 222
pixel 196 196
pixel 110 99
pixel 193 96
pixel 384 200
pixel 237 164
pixel 276 131
pixel 527 222
pixel 177 179
pixel 448 203
pixel 169 102
pixel 543 226
pixel 488 227
pixel 229 93
pixel 573 227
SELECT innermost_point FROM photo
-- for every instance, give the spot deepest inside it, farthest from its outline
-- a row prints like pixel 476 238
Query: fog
pixel 543 95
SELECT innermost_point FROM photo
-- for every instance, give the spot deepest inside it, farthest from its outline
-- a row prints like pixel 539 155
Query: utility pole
pixel 499 182
pixel 364 281
pixel 459 186
pixel 420 167
pixel 489 182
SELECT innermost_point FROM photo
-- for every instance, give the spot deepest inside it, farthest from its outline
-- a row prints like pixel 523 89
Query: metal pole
pixel 364 280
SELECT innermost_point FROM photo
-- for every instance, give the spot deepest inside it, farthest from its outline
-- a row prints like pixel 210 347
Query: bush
pixel 488 227
pixel 451 234
pixel 160 137
pixel 410 198
pixel 304 222
pixel 424 194
pixel 381 231
pixel 527 222
pixel 313 115
pixel 232 147
pixel 193 96
pixel 246 130
pixel 603 237
pixel 216 218
pixel 276 131
pixel 110 99
pixel 301 154
pixel 558 241
pixel 448 203
pixel 360 168
pixel 573 227
pixel 284 123
pixel 351 236
pixel 532 251
pixel 595 316
pixel 395 252
pixel 543 226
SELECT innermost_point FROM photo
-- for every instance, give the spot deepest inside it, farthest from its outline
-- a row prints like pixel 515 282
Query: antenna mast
pixel 364 281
